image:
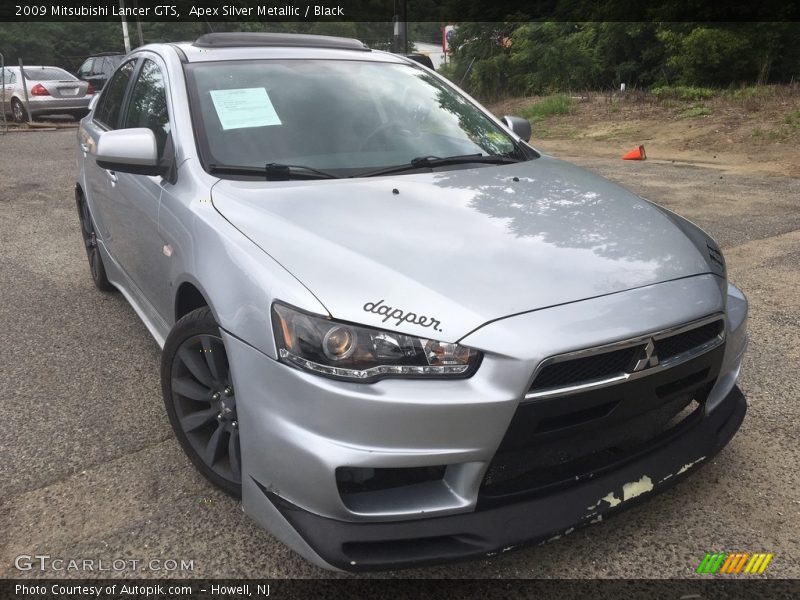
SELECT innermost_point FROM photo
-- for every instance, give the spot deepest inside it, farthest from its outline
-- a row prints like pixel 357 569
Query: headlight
pixel 363 354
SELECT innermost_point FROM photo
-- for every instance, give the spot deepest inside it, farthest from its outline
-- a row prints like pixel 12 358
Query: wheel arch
pixel 189 297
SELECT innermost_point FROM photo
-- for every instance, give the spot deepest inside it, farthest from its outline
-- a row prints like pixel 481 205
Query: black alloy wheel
pixel 96 267
pixel 200 399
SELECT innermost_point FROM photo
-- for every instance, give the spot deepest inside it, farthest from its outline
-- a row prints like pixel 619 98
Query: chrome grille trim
pixel 628 375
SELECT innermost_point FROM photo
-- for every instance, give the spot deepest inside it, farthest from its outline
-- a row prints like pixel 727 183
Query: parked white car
pixel 51 91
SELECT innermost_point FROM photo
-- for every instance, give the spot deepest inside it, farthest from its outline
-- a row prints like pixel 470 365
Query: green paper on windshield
pixel 245 107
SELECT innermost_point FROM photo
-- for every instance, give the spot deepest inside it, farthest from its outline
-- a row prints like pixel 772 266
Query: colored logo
pixel 733 563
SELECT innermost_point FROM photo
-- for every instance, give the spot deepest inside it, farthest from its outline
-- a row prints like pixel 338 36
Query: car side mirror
pixel 520 126
pixel 129 151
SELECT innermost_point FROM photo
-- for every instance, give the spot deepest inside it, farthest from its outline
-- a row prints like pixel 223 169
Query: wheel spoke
pixel 214 446
pixel 214 359
pixel 86 219
pixel 189 388
pixel 196 365
pixel 93 262
pixel 233 455
pixel 197 419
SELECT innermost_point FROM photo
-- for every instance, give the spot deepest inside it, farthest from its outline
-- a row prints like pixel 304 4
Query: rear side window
pixel 86 68
pixel 148 104
pixel 8 77
pixel 110 104
pixel 48 74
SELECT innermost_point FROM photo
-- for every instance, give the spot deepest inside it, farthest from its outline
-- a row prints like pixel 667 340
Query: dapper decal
pixel 400 316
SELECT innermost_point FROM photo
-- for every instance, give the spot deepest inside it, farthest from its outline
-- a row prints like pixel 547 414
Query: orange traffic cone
pixel 635 154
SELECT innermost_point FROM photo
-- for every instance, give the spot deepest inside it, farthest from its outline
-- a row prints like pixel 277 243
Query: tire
pixel 96 268
pixel 200 401
pixel 18 111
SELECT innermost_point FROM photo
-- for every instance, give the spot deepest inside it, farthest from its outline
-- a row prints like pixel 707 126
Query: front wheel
pixel 200 400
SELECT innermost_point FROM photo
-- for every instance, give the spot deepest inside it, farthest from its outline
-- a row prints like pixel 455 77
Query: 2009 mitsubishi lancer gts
pixel 396 330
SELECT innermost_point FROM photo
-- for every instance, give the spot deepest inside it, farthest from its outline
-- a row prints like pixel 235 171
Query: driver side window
pixel 148 104
pixel 110 103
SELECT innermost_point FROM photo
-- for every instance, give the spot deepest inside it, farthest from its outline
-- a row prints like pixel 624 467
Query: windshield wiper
pixel 281 172
pixel 426 162
pixel 273 171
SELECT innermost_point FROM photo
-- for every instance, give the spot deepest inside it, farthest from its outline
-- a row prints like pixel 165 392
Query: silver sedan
pixel 51 91
pixel 391 326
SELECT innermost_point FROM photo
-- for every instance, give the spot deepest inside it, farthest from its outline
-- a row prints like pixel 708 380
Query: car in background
pixel 422 59
pixel 51 91
pixel 97 69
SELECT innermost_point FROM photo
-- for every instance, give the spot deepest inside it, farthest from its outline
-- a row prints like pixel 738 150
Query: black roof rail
pixel 294 40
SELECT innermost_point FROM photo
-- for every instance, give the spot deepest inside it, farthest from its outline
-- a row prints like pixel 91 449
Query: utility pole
pixel 25 89
pixel 404 17
pixel 125 35
pixel 138 23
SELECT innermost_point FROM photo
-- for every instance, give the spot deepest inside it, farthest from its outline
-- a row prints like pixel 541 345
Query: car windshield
pixel 48 74
pixel 341 116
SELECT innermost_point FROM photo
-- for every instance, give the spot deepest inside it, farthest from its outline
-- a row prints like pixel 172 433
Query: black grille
pixel 584 369
pixel 607 364
pixel 354 480
pixel 683 342
pixel 562 458
pixel 558 441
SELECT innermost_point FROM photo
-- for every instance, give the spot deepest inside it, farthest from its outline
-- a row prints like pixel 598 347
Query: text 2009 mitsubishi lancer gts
pixel 395 329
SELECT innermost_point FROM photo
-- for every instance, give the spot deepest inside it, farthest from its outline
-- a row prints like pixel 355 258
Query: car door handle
pixel 112 176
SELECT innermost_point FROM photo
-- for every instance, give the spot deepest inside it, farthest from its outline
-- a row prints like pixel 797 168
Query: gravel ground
pixel 91 469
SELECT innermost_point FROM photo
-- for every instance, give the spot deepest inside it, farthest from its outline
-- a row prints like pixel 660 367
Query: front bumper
pixel 491 531
pixel 297 429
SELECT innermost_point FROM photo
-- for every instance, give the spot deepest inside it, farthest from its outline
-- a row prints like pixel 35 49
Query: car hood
pixel 439 254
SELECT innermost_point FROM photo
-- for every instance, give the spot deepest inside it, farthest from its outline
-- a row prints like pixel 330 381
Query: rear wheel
pixel 96 267
pixel 18 111
pixel 200 400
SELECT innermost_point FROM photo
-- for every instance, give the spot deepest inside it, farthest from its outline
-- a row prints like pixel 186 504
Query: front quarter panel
pixel 237 279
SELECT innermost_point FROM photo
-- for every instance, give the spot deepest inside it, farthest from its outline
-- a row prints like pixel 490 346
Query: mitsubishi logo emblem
pixel 647 357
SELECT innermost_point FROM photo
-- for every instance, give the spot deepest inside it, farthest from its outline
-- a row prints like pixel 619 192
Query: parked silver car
pixel 51 91
pixel 393 327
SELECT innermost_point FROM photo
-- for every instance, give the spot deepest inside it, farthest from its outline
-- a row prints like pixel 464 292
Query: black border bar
pixel 452 11
pixel 699 588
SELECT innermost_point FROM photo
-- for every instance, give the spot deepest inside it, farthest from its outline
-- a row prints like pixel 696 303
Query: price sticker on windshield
pixel 245 107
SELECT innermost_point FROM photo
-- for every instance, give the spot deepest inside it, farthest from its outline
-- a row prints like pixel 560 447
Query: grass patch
pixel 696 111
pixel 753 91
pixel 776 134
pixel 687 93
pixel 792 119
pixel 545 108
pixel 558 132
